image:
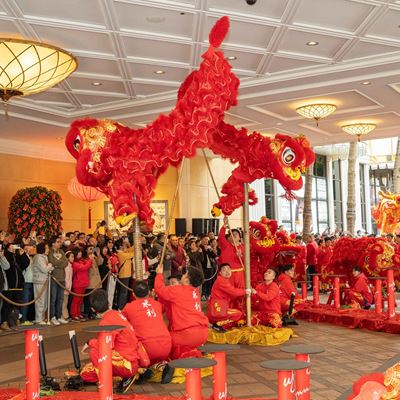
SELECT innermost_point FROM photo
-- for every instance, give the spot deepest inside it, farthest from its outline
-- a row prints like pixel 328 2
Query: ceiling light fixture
pixel 28 67
pixel 366 83
pixel 231 58
pixel 312 43
pixel 359 129
pixel 316 111
pixel 159 72
pixel 96 83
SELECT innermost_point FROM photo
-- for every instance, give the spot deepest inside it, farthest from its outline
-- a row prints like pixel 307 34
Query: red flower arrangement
pixel 35 209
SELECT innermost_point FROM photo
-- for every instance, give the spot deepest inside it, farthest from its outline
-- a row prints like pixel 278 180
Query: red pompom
pixel 219 31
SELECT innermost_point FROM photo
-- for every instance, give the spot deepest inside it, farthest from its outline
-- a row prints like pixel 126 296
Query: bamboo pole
pixel 247 251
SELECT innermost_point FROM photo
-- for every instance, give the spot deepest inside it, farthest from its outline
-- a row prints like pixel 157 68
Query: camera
pixel 251 2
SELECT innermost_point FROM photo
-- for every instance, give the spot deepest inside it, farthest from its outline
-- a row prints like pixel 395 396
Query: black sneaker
pixel 145 376
pixel 218 328
pixel 167 374
pixel 125 384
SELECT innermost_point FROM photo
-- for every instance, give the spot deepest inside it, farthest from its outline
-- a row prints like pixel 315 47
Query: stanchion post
pixel 391 299
pixel 104 338
pixel 336 292
pixel 193 368
pixel 302 353
pixel 105 366
pixel 378 296
pixel 48 298
pixel 286 372
pixel 219 374
pixel 32 369
pixel 303 386
pixel 286 389
pixel 218 351
pixel 304 290
pixel 193 384
pixel 315 290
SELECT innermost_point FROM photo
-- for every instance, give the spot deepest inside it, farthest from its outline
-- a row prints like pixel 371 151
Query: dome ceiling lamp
pixel 316 111
pixel 29 67
pixel 359 129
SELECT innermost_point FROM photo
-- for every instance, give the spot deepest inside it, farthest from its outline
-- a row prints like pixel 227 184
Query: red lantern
pixel 85 193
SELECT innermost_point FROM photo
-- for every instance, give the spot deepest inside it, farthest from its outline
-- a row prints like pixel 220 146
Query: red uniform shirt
pixel 222 289
pixel 124 342
pixel 228 251
pixel 312 253
pixel 269 297
pixel 286 287
pixel 361 286
pixel 300 263
pixel 146 317
pixel 185 304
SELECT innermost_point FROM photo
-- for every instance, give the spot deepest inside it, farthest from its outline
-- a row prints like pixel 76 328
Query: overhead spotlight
pixel 251 2
pixel 312 43
pixel 96 83
pixel 231 58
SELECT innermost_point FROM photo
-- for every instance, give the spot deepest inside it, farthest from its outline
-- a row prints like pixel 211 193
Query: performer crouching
pixel 360 294
pixel 269 302
pixel 286 286
pixel 146 316
pixel 221 311
pixel 128 354
pixel 188 324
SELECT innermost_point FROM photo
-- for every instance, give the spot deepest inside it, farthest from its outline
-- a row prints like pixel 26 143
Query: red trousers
pixel 77 301
pixel 237 280
pixel 351 297
pixel 186 342
pixel 158 349
pixel 273 320
pixel 228 320
pixel 121 367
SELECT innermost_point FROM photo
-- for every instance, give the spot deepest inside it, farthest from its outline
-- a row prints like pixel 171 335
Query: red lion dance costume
pixel 387 212
pixel 125 164
pixel 269 248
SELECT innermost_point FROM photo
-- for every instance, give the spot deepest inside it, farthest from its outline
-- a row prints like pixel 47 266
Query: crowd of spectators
pixel 77 263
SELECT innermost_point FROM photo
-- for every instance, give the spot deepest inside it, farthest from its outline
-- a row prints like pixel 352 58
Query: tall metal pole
pixel 137 242
pixel 247 251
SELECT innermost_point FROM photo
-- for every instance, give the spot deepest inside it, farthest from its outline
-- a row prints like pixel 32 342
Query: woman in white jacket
pixel 40 269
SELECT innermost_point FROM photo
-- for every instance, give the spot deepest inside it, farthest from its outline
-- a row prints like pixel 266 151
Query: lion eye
pixel 288 156
pixel 257 233
pixel 77 144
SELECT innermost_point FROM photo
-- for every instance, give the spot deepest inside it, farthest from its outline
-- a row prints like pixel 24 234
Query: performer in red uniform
pixel 188 325
pixel 360 293
pixel 286 286
pixel 127 352
pixel 311 258
pixel 221 312
pixel 269 301
pixel 233 256
pixel 146 316
pixel 300 260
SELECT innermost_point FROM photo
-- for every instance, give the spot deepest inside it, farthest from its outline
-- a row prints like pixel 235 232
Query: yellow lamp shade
pixel 28 67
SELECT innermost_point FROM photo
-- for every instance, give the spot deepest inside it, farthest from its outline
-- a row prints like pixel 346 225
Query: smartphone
pixel 17 246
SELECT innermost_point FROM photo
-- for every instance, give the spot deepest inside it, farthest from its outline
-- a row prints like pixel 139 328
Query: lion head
pixel 87 141
pixel 293 156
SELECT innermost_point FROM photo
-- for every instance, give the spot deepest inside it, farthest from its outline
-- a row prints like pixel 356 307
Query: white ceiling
pixel 120 43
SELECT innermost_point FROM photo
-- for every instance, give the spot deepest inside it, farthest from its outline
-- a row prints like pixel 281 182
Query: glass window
pixel 269 199
pixel 337 195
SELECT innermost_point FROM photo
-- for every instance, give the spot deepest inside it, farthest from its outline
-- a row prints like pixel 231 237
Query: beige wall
pixel 20 172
